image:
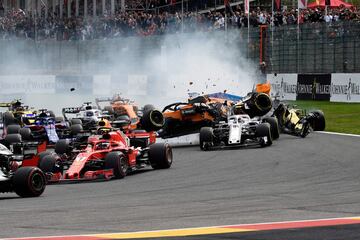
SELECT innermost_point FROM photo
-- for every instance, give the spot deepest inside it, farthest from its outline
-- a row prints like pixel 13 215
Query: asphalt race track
pixel 295 179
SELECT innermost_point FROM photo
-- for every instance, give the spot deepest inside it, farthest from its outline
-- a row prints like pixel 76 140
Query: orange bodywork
pixel 263 88
pixel 197 117
pixel 123 108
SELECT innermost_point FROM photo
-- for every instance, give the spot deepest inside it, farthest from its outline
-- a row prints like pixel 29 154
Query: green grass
pixel 340 117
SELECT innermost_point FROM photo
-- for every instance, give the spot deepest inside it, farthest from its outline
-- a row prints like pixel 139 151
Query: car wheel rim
pixel 37 182
pixel 169 155
pixel 123 165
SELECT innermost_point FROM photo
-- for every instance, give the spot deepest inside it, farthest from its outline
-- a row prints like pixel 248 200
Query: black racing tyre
pixel 148 107
pixel 13 138
pixel 75 129
pixel 43 154
pixel 25 134
pixel 59 119
pixel 47 163
pixel 152 120
pixel 51 114
pixel 109 109
pixel 29 182
pixel 160 155
pixel 318 123
pixel 274 126
pixel 263 130
pixel 118 163
pixel 62 146
pixel 8 118
pixel 13 128
pixel 206 137
pixel 74 121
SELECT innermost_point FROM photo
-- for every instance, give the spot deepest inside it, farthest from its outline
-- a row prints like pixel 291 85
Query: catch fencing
pixel 313 48
pixel 309 48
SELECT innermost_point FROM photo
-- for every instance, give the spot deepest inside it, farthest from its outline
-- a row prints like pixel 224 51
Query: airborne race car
pixel 244 125
pixel 107 155
pixel 297 122
pixel 15 173
pixel 186 118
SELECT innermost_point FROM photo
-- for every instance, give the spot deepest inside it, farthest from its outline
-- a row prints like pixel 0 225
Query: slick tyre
pixel 160 155
pixel 59 119
pixel 76 129
pixel 13 128
pixel 25 134
pixel 152 120
pixel 264 133
pixel 148 107
pixel 29 182
pixel 47 163
pixel 274 126
pixel 118 163
pixel 62 146
pixel 51 114
pixel 318 123
pixel 206 137
pixel 75 121
pixel 13 138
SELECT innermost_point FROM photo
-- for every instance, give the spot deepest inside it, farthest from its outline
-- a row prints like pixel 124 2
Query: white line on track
pixel 340 134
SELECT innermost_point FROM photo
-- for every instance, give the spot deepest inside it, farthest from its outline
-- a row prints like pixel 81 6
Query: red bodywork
pixel 96 150
pixel 33 160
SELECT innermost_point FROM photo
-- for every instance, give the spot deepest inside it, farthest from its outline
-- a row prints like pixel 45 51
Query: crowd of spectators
pixel 19 24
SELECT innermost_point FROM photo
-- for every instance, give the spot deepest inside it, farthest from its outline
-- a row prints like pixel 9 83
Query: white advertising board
pixel 345 87
pixel 283 86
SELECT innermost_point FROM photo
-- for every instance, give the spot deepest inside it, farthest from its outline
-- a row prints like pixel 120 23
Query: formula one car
pixel 15 173
pixel 297 122
pixel 87 116
pixel 239 130
pixel 205 111
pixel 107 155
pixel 125 114
pixel 186 118
pixel 44 128
pixel 18 113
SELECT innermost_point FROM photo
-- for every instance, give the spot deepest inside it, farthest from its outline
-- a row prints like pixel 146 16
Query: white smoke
pixel 168 69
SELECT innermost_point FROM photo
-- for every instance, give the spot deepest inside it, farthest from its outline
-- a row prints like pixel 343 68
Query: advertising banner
pixel 27 84
pixel 345 87
pixel 314 87
pixel 283 86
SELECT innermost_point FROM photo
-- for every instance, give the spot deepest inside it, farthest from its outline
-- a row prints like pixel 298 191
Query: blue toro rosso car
pixel 43 127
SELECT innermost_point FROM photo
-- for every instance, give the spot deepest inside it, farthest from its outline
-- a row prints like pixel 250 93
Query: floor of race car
pixel 295 179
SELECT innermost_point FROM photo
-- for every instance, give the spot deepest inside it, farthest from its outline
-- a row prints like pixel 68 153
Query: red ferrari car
pixel 107 154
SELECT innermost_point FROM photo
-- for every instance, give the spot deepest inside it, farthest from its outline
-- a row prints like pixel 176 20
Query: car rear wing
pixel 115 98
pixel 70 110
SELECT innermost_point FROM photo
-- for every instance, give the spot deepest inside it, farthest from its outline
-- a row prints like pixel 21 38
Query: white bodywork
pixel 236 123
pixel 4 151
pixel 94 115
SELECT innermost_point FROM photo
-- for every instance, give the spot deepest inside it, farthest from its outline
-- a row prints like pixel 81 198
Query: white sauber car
pixel 240 130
